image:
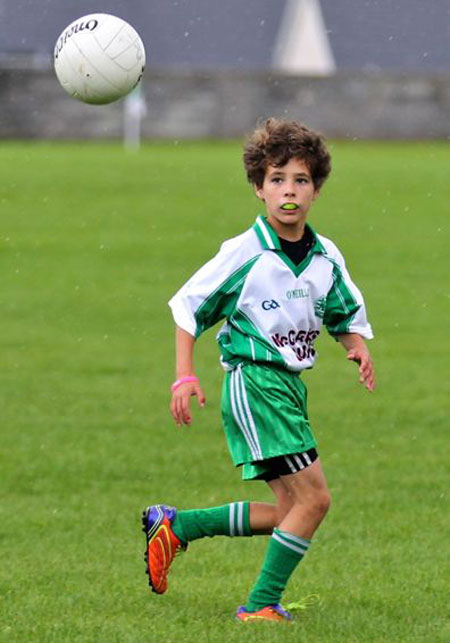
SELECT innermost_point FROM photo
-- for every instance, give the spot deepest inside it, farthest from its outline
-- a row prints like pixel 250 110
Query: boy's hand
pixel 361 356
pixel 179 405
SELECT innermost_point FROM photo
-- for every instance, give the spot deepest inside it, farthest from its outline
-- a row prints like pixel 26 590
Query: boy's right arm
pixel 179 405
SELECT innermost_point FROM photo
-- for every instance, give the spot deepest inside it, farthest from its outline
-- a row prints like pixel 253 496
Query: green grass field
pixel 93 242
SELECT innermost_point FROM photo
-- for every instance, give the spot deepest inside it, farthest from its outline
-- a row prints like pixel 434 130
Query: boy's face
pixel 288 193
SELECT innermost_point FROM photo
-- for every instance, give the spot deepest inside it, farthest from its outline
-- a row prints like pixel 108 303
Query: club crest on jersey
pixel 319 307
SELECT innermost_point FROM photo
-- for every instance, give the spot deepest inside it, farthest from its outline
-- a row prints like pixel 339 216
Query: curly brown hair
pixel 277 141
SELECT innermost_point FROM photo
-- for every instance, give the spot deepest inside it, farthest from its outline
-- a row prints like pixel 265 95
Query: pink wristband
pixel 183 380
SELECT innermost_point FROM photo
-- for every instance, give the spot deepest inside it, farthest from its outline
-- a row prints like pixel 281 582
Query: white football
pixel 99 58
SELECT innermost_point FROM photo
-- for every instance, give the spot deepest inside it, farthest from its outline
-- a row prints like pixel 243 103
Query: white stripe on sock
pixel 290 545
pixel 232 532
pixel 240 520
pixel 301 542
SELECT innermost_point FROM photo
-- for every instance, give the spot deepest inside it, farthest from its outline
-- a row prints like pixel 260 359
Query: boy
pixel 275 285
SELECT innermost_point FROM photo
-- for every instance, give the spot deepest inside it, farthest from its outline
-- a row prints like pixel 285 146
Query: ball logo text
pixel 75 28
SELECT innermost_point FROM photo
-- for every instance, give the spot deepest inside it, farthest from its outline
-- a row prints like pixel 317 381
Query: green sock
pixel 283 555
pixel 228 520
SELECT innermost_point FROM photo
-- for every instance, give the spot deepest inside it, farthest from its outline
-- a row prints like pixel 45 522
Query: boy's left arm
pixel 358 352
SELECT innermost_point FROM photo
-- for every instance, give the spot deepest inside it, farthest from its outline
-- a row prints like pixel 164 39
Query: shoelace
pixel 303 604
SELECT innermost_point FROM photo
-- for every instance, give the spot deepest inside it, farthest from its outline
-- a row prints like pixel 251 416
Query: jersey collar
pixel 269 238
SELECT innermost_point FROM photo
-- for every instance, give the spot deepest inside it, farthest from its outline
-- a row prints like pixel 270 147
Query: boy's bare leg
pixel 308 493
pixel 310 501
pixel 265 517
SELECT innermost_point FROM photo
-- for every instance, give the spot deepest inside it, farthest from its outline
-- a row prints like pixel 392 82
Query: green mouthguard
pixel 289 206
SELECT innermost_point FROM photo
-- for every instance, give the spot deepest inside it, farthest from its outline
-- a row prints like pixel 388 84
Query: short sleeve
pixel 211 293
pixel 345 310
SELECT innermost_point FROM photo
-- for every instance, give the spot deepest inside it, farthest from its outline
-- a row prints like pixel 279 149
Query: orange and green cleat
pixel 161 544
pixel 274 613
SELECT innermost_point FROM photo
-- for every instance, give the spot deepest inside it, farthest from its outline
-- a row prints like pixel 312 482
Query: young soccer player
pixel 275 285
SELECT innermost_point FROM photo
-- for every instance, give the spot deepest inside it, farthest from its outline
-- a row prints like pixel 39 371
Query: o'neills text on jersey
pixel 298 293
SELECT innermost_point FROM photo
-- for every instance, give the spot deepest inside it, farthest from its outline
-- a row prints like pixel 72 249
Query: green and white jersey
pixel 273 309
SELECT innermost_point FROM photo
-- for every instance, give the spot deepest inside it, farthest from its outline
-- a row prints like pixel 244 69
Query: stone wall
pixel 184 104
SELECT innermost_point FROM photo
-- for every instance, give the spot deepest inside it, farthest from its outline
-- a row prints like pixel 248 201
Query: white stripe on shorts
pixel 290 465
pixel 249 413
pixel 237 413
pixel 299 462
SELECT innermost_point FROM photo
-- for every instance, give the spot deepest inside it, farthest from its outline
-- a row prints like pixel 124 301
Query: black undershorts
pixel 285 465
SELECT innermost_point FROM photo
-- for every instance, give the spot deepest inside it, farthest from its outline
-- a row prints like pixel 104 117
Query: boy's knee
pixel 283 506
pixel 282 511
pixel 316 504
pixel 320 503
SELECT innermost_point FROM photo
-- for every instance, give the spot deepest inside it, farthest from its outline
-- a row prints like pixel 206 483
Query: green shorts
pixel 264 416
